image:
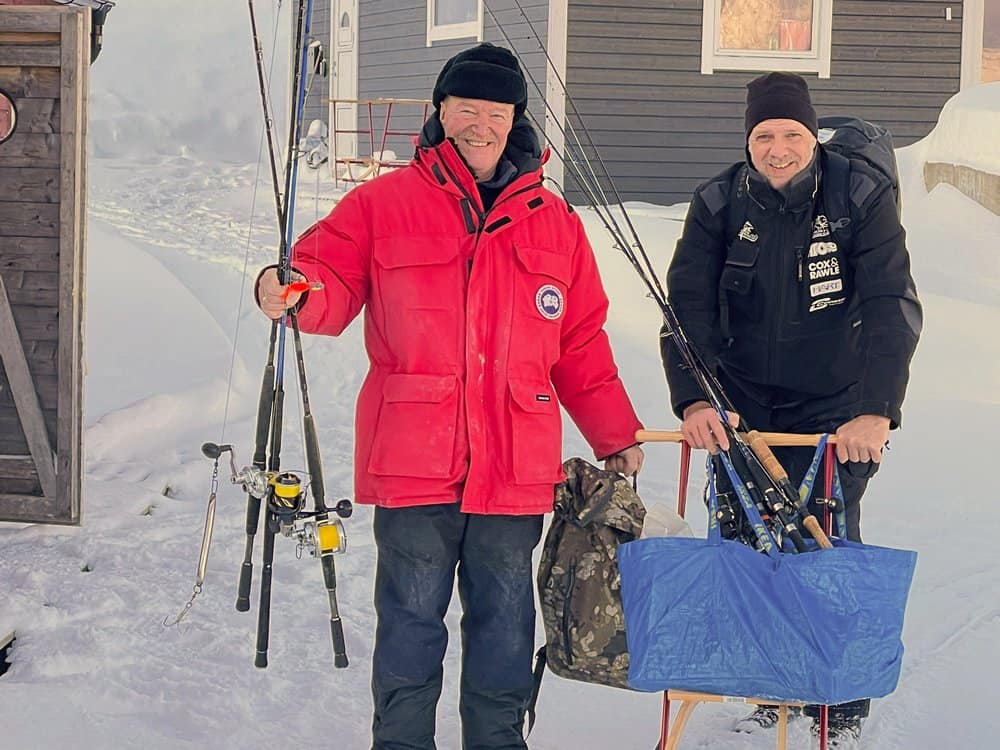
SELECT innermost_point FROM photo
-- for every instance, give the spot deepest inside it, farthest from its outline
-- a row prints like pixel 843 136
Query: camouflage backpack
pixel 578 583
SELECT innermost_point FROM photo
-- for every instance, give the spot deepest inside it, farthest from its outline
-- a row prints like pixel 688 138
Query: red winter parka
pixel 477 327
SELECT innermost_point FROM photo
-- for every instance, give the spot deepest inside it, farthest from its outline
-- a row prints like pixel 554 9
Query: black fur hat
pixel 779 96
pixel 485 71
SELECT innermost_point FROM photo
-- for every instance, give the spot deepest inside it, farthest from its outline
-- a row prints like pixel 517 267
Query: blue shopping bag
pixel 715 616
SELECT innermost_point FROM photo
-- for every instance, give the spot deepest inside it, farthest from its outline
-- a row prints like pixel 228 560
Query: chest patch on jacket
pixel 748 233
pixel 823 268
pixel 549 301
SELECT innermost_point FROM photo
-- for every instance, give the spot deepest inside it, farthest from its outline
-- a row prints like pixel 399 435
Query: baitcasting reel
pixel 285 494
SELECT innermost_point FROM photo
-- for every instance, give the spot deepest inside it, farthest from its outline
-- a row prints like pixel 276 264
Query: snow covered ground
pixel 172 231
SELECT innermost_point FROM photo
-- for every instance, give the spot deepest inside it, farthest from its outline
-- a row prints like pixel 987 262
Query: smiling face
pixel 780 149
pixel 479 129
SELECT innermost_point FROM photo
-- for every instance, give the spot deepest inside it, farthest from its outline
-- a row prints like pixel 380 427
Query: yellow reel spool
pixel 287 490
pixel 330 536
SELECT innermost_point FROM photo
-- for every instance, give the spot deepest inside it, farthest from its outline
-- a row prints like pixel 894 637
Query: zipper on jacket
pixel 468 196
pixel 567 643
pixel 779 276
pixel 504 220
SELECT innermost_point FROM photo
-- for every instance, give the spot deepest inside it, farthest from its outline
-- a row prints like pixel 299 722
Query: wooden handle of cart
pixel 770 438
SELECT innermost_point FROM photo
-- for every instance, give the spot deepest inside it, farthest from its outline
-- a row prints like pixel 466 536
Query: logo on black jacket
pixel 748 233
pixel 821 227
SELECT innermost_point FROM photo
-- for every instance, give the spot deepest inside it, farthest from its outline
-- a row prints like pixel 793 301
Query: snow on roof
pixel 966 133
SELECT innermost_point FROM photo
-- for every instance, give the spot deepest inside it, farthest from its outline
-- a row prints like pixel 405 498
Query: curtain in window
pixel 455 11
pixel 765 25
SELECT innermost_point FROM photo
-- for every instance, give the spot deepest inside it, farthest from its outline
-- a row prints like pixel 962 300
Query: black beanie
pixel 483 72
pixel 779 96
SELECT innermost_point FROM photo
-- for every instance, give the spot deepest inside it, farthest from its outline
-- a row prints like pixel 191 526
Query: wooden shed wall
pixel 44 68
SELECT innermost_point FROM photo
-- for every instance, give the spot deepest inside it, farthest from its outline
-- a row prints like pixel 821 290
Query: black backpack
pixel 854 138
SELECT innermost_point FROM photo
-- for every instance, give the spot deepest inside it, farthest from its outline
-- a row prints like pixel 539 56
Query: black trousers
pixel 419 551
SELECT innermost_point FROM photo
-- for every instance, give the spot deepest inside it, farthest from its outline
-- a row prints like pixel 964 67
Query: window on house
pixel 991 43
pixel 763 35
pixel 454 19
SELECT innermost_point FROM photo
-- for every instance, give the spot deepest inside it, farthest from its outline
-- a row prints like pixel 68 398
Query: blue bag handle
pixel 764 536
pixel 806 488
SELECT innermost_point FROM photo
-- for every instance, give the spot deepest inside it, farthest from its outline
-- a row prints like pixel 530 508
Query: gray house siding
pixel 633 72
pixel 317 106
pixel 395 61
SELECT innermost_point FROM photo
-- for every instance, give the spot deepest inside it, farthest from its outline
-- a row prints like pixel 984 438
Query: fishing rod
pixel 756 461
pixel 316 530
pixel 282 494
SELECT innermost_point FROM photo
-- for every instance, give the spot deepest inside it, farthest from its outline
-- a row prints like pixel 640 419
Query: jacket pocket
pixel 417 296
pixel 536 433
pixel 549 263
pixel 418 272
pixel 541 283
pixel 738 281
pixel 415 432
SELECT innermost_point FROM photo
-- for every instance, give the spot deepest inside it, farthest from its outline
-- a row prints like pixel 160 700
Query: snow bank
pixel 966 133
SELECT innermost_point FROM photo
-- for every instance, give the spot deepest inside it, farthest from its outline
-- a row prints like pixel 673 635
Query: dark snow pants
pixel 419 551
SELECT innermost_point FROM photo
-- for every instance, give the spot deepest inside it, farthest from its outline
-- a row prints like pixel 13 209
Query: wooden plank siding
pixel 395 61
pixel 633 71
pixel 44 67
pixel 316 105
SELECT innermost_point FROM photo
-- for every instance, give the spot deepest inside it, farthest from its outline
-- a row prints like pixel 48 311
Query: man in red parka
pixel 484 312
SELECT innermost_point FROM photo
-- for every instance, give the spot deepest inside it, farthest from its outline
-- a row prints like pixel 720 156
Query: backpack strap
pixel 850 189
pixel 536 685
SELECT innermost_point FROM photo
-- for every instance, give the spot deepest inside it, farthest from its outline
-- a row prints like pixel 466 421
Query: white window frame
pixel 816 60
pixel 973 27
pixel 442 32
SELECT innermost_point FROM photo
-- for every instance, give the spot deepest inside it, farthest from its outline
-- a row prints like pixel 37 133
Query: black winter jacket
pixel 791 304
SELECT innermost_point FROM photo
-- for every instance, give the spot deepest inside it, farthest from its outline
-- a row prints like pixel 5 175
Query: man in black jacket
pixel 792 280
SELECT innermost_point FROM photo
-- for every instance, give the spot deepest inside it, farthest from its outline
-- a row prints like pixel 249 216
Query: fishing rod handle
pixel 243 587
pixel 760 448
pixel 264 610
pixel 770 438
pixel 265 404
pixel 758 444
pixel 336 624
pixel 813 527
pixel 339 646
pixel 246 568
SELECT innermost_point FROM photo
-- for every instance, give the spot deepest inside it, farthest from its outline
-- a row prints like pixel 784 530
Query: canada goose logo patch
pixel 549 301
pixel 748 233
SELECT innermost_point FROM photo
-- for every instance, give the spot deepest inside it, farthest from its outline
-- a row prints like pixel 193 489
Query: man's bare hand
pixel 627 462
pixel 702 427
pixel 270 293
pixel 862 439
